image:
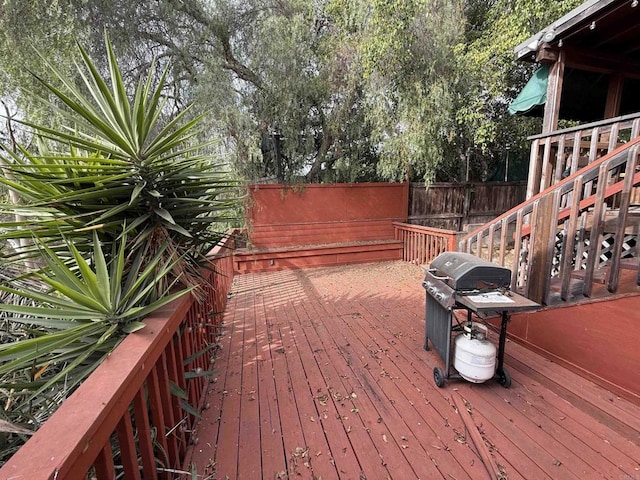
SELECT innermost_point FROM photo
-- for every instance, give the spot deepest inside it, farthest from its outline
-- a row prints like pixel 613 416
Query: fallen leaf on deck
pixel 301 452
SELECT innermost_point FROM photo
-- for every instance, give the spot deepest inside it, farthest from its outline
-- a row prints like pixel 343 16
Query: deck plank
pixel 322 374
pixel 377 412
pixel 249 464
pixel 522 464
pixel 268 344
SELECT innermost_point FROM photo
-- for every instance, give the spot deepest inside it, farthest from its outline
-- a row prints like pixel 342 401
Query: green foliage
pixel 352 90
pixel 490 78
pixel 410 79
pixel 25 27
pixel 114 163
pixel 117 207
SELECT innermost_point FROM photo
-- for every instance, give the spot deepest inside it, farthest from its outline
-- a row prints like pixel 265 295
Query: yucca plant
pixel 71 326
pixel 118 161
pixel 117 210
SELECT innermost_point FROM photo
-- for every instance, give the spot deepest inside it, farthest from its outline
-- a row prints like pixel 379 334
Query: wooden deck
pixel 322 374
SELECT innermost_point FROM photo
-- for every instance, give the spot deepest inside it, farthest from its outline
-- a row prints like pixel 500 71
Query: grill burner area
pixel 460 281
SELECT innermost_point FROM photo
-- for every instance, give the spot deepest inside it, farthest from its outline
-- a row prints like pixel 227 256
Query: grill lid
pixel 468 272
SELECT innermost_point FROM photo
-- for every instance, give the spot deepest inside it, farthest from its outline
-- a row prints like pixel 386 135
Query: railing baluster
pixel 168 399
pixel 551 242
pixel 145 441
pixel 545 174
pixel 158 418
pixel 575 154
pixel 503 239
pixel 492 228
pixel 570 242
pixel 635 129
pixel 614 267
pixel 595 235
pixel 560 164
pixel 516 250
pixel 181 417
pixel 613 137
pixel 534 175
pixel 104 468
pixel 127 444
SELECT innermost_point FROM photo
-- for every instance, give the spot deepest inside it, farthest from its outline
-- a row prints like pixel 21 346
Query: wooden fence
pixel 453 206
pixel 128 418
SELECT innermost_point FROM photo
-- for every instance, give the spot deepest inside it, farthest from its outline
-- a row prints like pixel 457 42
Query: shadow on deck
pixel 322 374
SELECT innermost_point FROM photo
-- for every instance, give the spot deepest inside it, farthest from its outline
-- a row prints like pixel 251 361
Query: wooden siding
pixel 595 339
pixel 322 374
pixel 453 206
pixel 290 258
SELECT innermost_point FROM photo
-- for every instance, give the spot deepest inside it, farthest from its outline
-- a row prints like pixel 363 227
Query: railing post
pixel 534 160
pixel 539 254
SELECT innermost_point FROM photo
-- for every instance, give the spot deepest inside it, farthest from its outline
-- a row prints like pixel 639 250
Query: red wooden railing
pixel 423 244
pixel 128 417
pixel 564 152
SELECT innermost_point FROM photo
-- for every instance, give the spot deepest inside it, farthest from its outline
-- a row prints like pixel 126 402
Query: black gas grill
pixel 460 281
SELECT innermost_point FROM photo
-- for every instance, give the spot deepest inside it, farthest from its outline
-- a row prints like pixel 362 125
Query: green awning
pixel 534 92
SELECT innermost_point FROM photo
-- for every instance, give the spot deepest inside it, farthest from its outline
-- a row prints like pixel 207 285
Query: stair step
pixel 599 276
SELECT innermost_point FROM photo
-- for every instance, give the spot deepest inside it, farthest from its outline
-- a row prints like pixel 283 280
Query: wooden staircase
pixel 577 239
pixel 574 248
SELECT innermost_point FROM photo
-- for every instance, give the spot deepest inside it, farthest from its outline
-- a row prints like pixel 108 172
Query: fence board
pixel 452 206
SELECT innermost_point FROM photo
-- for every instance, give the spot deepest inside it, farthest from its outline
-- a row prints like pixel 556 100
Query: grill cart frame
pixel 459 281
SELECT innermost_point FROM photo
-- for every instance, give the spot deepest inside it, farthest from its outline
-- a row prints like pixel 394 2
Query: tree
pixel 328 90
pixel 411 79
pixel 491 79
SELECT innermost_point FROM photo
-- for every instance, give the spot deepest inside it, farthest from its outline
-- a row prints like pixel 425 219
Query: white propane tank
pixel 475 356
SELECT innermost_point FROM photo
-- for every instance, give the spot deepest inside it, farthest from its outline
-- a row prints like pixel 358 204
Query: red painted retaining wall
pixel 291 227
pixel 597 339
pixel 286 216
